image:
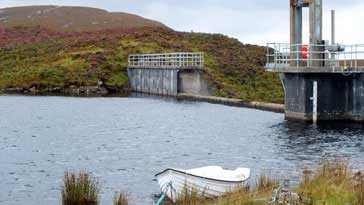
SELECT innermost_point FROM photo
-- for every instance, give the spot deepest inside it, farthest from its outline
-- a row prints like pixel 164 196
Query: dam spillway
pixel 168 73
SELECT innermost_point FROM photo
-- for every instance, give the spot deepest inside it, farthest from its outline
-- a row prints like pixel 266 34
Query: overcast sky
pixel 251 21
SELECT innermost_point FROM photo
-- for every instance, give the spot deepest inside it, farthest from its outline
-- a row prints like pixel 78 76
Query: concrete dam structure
pixel 322 81
pixel 168 74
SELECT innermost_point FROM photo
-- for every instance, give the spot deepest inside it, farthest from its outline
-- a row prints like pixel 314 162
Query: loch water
pixel 124 141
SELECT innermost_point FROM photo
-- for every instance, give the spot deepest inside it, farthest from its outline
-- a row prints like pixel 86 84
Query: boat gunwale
pixel 186 173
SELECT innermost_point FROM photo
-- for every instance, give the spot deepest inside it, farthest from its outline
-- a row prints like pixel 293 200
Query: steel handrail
pixel 284 54
pixel 167 60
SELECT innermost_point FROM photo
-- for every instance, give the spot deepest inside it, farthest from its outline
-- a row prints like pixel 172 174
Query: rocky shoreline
pixel 71 91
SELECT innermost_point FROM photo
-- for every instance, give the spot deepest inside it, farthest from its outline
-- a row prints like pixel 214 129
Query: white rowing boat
pixel 211 181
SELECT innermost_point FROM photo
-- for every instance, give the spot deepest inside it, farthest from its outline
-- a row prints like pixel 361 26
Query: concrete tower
pixel 321 81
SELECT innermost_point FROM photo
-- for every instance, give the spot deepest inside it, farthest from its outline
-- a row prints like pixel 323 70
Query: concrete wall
pixel 154 81
pixel 168 81
pixel 357 97
pixel 340 97
pixel 192 82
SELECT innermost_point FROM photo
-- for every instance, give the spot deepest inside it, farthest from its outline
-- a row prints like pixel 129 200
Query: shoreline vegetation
pixel 39 60
pixel 333 183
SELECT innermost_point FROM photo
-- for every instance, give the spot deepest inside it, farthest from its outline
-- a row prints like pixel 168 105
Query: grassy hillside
pixel 64 18
pixel 41 59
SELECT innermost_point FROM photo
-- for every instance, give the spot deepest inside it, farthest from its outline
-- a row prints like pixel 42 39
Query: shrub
pixel 332 184
pixel 79 189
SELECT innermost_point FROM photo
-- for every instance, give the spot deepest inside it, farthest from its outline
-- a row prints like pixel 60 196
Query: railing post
pixel 356 56
pixel 267 53
pixel 275 56
pixel 297 50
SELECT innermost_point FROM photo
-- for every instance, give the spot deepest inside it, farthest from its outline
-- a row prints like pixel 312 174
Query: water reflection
pixel 310 144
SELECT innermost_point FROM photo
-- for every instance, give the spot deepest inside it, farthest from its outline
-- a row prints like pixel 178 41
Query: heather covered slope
pixel 62 18
pixel 34 58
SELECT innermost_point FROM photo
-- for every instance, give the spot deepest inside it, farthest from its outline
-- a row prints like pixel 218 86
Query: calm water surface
pixel 125 141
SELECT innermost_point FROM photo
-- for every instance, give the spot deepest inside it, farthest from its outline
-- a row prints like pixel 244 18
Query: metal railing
pixel 167 60
pixel 340 58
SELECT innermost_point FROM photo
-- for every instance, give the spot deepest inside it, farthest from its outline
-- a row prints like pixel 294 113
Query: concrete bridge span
pixel 168 74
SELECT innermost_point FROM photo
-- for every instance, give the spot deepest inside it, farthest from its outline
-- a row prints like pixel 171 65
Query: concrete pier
pixel 168 74
pixel 322 81
pixel 339 97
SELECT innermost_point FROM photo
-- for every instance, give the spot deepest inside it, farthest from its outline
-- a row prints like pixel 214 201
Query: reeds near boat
pixel 333 183
pixel 266 183
pixel 121 199
pixel 80 189
pixel 260 193
pixel 191 196
pixel 244 195
pixel 359 188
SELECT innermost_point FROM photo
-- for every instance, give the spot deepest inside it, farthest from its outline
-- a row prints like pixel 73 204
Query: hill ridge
pixel 72 18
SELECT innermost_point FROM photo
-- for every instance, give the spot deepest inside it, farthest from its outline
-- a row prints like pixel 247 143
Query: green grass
pixel 118 80
pixel 332 184
pixel 87 50
pixel 79 189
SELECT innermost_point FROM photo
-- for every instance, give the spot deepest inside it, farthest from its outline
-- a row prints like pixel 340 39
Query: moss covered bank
pixel 34 59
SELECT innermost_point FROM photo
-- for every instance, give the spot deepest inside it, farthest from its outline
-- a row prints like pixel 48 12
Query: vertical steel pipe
pixel 296 32
pixel 333 27
pixel 333 56
pixel 316 22
pixel 316 34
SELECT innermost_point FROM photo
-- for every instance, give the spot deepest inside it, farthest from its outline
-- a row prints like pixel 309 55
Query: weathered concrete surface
pixel 154 81
pixel 168 81
pixel 279 108
pixel 340 97
pixel 186 84
pixel 193 82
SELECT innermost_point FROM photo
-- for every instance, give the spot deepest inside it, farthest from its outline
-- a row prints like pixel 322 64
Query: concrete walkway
pixel 273 107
